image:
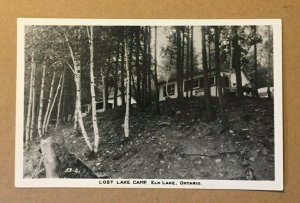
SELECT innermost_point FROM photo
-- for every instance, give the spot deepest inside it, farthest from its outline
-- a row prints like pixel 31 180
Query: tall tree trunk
pixel 49 104
pixel 218 74
pixel 126 120
pixel 230 65
pixel 187 61
pixel 192 57
pixel 41 102
pixel 29 111
pixel 237 62
pixel 149 63
pixel 137 66
pixel 53 103
pixel 130 53
pixel 178 61
pixel 93 95
pixel 116 88
pixel 206 78
pixel 59 101
pixel 209 59
pixel 80 121
pixel 144 69
pixel 77 78
pixel 182 62
pixel 155 77
pixel 33 104
pixel 269 62
pixel 122 74
pixel 255 62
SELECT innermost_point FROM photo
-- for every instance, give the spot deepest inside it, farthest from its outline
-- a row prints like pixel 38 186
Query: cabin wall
pixel 161 91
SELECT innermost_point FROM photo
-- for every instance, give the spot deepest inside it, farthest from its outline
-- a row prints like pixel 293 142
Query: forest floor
pixel 177 144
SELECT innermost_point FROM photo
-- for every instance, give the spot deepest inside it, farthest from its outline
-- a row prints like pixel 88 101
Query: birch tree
pixel 59 101
pixel 126 120
pixel 93 95
pixel 49 104
pixel 33 102
pixel 41 102
pixel 77 78
pixel 29 111
pixel 53 103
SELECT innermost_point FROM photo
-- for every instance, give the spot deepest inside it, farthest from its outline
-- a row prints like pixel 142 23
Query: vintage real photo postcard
pixel 193 104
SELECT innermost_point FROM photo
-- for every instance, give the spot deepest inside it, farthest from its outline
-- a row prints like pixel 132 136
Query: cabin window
pixel 171 90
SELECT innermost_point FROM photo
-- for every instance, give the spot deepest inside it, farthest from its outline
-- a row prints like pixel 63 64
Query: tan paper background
pixel 287 10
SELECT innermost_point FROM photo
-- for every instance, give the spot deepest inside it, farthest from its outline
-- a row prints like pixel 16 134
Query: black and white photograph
pixel 193 104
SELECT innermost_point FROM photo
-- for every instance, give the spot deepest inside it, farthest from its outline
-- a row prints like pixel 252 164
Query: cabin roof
pixel 201 73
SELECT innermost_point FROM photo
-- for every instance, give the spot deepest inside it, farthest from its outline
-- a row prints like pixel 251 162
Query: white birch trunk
pixel 77 78
pixel 75 127
pixel 49 104
pixel 41 102
pixel 59 101
pixel 94 113
pixel 53 103
pixel 126 120
pixel 27 129
pixel 33 103
pixel 79 113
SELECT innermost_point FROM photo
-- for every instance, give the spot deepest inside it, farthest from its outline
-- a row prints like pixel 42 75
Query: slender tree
pixel 126 120
pixel 122 71
pixel 255 61
pixel 77 79
pixel 155 72
pixel 90 32
pixel 269 61
pixel 206 79
pixel 237 61
pixel 149 63
pixel 29 111
pixel 33 103
pixel 137 66
pixel 53 103
pixel 192 57
pixel 49 104
pixel 41 102
pixel 116 82
pixel 187 61
pixel 178 62
pixel 59 100
pixel 218 75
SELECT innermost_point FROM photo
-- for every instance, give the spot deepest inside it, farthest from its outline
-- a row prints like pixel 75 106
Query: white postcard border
pixel 276 185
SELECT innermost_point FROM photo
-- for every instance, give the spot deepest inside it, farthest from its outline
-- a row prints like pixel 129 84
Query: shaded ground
pixel 178 144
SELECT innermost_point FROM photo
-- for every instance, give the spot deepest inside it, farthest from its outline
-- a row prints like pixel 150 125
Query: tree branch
pixel 71 68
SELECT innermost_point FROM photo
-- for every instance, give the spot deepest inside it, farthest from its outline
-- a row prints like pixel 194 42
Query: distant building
pixel 86 108
pixel 197 84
